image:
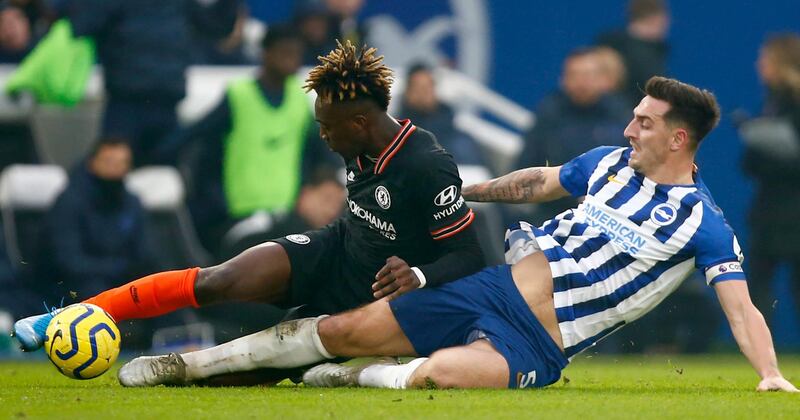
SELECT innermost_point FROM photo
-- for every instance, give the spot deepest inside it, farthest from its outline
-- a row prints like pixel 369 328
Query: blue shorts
pixel 485 304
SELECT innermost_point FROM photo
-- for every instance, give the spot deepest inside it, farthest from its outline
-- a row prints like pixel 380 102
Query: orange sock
pixel 154 295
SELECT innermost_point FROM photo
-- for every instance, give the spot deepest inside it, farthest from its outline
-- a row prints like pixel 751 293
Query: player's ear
pixel 359 121
pixel 680 139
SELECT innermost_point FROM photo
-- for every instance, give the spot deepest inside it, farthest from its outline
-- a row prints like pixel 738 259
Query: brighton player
pixel 646 223
pixel 407 225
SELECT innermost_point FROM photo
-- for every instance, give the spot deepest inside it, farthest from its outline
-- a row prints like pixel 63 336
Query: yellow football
pixel 82 341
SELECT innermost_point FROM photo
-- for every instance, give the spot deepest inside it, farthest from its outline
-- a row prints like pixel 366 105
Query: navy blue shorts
pixel 485 304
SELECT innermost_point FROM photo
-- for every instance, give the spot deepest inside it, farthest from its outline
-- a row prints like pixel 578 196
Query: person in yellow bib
pixel 256 146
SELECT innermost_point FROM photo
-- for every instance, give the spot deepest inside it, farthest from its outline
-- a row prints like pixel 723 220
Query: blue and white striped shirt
pixel 627 246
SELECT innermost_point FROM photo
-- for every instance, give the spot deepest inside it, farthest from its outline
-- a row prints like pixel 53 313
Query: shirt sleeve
pixel 574 175
pixel 461 256
pixel 440 196
pixel 718 253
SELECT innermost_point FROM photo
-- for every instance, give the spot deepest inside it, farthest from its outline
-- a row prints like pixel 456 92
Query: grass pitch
pixel 680 387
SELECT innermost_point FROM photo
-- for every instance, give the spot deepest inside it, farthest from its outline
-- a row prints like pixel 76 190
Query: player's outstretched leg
pixel 147 297
pixel 369 330
pixel 477 365
pixel 260 273
pixel 286 345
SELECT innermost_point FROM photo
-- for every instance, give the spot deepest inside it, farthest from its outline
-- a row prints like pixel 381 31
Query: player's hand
pixel 394 279
pixel 776 383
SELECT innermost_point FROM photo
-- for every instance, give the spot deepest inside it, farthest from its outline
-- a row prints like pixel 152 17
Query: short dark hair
pixel 641 9
pixel 277 33
pixel 695 107
pixel 416 68
pixel 349 74
pixel 108 141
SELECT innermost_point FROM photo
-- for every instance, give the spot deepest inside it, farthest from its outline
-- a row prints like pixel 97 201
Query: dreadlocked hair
pixel 349 74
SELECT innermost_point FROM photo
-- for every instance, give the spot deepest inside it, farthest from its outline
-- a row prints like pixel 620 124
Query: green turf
pixel 677 387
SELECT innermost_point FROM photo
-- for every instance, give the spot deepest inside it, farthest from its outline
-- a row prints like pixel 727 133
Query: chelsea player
pixel 406 227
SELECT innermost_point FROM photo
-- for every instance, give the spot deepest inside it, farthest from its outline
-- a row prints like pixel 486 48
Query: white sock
pixel 286 345
pixel 389 376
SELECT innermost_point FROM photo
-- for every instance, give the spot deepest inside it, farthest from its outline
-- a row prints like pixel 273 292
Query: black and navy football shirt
pixel 403 201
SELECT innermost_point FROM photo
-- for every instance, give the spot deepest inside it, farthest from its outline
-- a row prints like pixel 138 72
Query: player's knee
pixel 213 284
pixel 437 372
pixel 338 333
pixel 328 330
pixel 260 273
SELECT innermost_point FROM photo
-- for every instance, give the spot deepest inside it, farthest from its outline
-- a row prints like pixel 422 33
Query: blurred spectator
pixel 319 202
pixel 347 26
pixel 145 47
pixel 228 51
pixel 322 22
pixel 22 24
pixel 612 70
pixel 15 34
pixel 256 143
pixel 772 158
pixel 16 39
pixel 642 44
pixel 577 118
pixel 422 106
pixel 316 26
pixel 94 236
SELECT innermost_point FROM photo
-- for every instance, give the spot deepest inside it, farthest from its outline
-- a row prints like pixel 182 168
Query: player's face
pixel 284 58
pixel 341 128
pixel 649 135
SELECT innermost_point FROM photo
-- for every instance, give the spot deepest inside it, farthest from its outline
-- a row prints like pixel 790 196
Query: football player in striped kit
pixel 646 223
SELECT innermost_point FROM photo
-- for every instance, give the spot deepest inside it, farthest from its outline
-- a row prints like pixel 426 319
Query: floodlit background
pixel 495 69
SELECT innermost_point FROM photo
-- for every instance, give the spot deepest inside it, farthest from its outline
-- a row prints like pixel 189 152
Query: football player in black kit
pixel 406 226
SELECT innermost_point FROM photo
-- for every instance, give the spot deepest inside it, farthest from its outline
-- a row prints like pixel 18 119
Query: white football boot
pixel 334 375
pixel 169 369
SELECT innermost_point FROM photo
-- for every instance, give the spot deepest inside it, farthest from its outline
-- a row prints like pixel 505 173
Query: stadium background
pixel 517 49
pixel 713 44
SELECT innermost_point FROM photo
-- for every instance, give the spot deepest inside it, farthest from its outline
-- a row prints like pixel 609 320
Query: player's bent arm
pixel 751 333
pixel 461 255
pixel 529 185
